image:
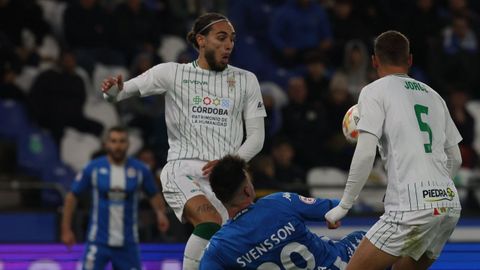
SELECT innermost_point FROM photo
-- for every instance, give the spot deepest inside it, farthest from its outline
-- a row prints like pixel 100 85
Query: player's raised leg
pixel 206 220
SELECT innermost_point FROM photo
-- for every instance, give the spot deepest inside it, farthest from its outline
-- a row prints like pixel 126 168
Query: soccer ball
pixel 349 124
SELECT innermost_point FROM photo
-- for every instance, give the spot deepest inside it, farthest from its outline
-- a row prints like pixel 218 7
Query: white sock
pixel 193 252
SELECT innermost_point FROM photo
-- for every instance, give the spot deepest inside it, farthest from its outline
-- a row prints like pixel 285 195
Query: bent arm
pixel 255 128
pixel 454 160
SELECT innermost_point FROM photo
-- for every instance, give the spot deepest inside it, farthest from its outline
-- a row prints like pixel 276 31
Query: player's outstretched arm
pixel 362 163
pixel 114 89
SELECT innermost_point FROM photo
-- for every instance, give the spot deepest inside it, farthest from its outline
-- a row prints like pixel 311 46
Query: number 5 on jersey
pixel 424 127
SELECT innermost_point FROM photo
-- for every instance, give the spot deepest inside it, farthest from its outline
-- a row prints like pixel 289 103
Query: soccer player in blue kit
pixel 271 233
pixel 115 181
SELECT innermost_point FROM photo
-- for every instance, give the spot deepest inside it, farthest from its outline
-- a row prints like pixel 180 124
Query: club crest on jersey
pixel 103 170
pixel 307 200
pixel 231 83
pixel 131 172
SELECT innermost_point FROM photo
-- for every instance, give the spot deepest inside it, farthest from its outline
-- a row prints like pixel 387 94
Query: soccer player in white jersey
pixel 115 181
pixel 418 143
pixel 207 104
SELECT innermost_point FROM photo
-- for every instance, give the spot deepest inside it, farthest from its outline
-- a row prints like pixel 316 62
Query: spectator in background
pixel 287 173
pixel 356 67
pixel 135 29
pixel 9 66
pixel 304 125
pixel 16 17
pixel 115 181
pixel 274 99
pixel 338 101
pixel 298 26
pixel 346 25
pixel 57 98
pixel 316 78
pixel 91 39
pixel 457 62
pixel 455 8
pixel 423 28
pixel 457 103
pixel 262 168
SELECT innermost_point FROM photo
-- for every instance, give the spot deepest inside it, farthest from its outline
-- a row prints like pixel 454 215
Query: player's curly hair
pixel 199 26
pixel 227 177
pixel 392 48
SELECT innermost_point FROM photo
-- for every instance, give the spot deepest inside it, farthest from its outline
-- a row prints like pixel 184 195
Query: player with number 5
pixel 418 143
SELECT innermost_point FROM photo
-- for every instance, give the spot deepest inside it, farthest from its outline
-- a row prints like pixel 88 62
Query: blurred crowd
pixel 312 59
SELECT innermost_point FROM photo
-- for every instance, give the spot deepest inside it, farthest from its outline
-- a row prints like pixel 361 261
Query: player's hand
pixel 333 226
pixel 335 214
pixel 162 222
pixel 207 169
pixel 112 85
pixel 68 238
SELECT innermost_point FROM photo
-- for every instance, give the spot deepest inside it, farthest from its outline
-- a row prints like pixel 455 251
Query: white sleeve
pixel 114 94
pixel 255 137
pixel 454 160
pixel 372 113
pixel 362 163
pixel 156 80
pixel 253 106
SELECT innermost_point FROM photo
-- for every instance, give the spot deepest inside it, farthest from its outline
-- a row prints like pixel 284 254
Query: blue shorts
pixel 97 256
pixel 344 249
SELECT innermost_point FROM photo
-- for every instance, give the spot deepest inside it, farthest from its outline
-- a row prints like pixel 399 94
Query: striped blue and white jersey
pixel 204 109
pixel 115 195
pixel 271 234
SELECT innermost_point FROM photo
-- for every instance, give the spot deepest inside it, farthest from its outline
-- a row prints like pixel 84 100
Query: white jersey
pixel 204 110
pixel 414 127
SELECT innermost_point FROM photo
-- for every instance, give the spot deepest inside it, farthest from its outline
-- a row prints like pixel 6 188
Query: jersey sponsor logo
pixel 199 109
pixel 210 110
pixel 438 194
pixel 263 247
pixel 307 200
pixel 195 82
pixel 117 194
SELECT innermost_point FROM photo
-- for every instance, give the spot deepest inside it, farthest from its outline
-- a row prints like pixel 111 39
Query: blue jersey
pixel 271 234
pixel 115 195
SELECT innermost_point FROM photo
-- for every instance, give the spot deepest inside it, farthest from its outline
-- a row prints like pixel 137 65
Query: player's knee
pixel 206 230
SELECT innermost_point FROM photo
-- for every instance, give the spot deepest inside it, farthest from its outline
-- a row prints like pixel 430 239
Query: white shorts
pixel 414 233
pixel 183 180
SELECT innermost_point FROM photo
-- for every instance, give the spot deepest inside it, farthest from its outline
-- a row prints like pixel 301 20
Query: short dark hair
pixel 392 48
pixel 199 26
pixel 121 129
pixel 227 177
